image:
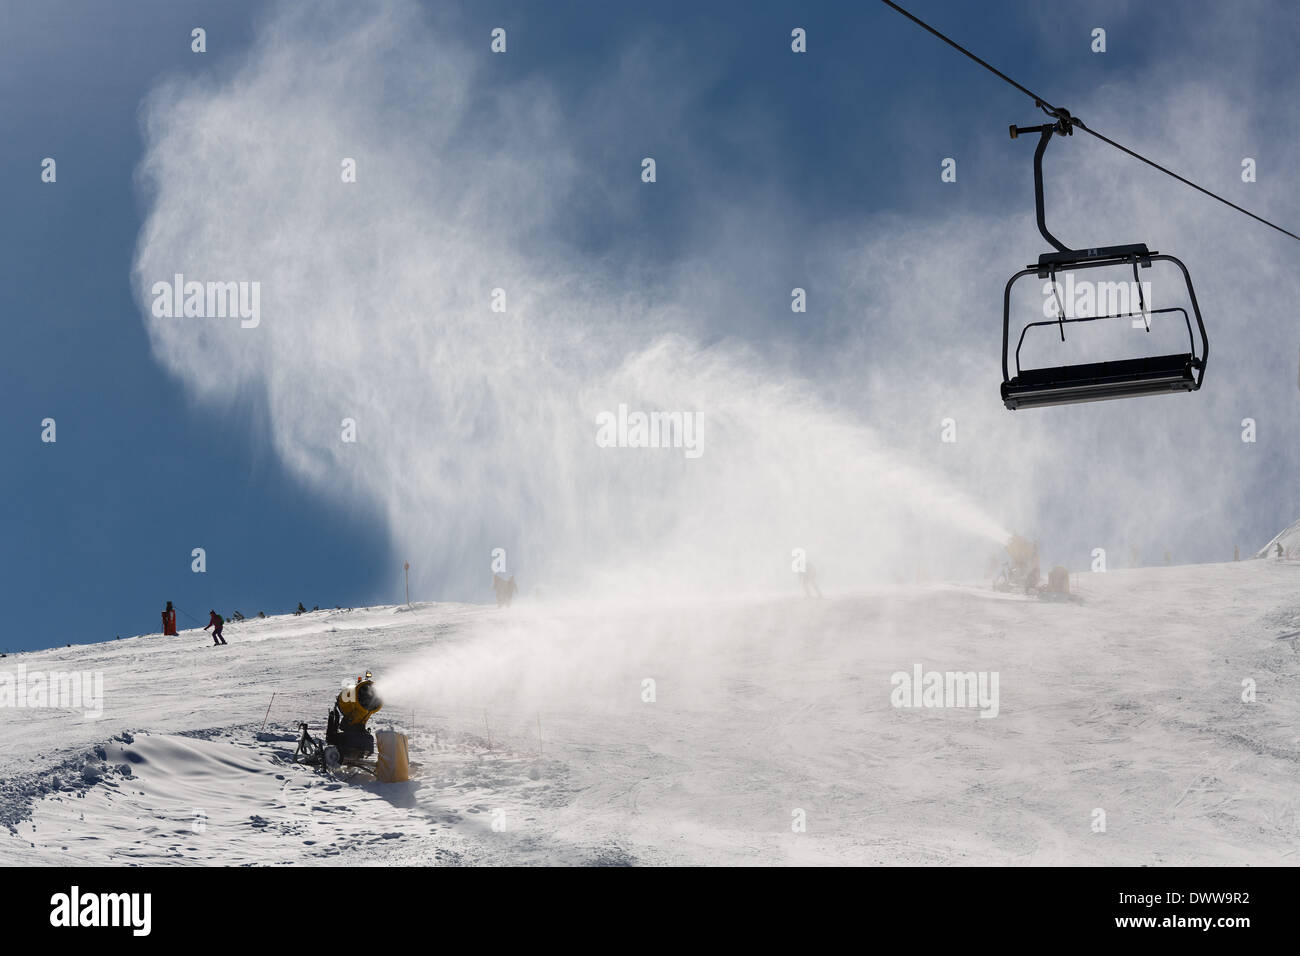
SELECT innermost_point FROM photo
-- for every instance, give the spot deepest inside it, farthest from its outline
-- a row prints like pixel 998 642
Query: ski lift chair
pixel 1094 381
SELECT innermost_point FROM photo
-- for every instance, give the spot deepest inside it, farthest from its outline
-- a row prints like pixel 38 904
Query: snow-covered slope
pixel 695 733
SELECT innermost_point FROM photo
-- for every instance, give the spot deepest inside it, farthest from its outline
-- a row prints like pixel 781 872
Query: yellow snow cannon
pixel 346 729
pixel 1022 571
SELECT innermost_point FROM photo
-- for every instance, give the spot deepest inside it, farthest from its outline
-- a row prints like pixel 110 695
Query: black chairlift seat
pixel 1095 381
pixel 1098 381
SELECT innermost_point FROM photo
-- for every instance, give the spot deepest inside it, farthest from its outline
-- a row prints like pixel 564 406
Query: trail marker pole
pixel 268 713
pixel 406 566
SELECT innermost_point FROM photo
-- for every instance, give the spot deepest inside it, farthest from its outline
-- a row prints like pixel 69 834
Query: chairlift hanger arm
pixel 1045 132
pixel 1066 256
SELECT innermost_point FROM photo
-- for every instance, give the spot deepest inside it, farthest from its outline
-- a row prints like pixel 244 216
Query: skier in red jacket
pixel 215 623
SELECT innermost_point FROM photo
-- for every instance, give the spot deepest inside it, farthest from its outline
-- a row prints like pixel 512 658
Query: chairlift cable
pixel 186 613
pixel 961 49
pixel 1064 117
pixel 1169 172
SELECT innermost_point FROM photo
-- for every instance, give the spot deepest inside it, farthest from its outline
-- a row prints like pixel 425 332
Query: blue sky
pixel 98 527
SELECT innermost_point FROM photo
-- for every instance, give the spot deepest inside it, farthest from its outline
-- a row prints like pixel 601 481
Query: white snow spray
pixel 431 345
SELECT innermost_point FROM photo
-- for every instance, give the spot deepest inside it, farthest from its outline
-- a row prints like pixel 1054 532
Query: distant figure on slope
pixel 169 620
pixel 301 609
pixel 808 578
pixel 216 624
pixel 1278 545
pixel 505 589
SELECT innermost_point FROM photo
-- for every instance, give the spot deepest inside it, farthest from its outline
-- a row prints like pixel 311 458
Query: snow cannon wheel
pixel 331 757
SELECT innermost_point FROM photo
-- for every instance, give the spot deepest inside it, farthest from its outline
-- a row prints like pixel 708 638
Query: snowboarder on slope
pixel 216 623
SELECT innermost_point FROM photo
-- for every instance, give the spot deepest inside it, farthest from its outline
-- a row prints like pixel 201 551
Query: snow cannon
pixel 1023 553
pixel 1022 571
pixel 346 729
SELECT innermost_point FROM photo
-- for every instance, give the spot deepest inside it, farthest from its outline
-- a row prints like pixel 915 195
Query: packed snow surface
pixel 1152 720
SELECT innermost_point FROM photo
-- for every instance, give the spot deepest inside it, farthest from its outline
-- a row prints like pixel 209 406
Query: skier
pixel 301 609
pixel 169 620
pixel 216 623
